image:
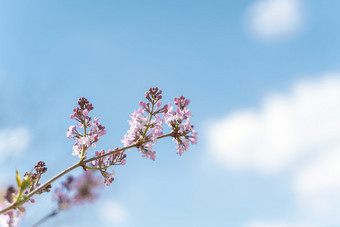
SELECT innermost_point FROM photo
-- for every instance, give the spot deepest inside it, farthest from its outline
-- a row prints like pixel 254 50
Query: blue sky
pixel 263 73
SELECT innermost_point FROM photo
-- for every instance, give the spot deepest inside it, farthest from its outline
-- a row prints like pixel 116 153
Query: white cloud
pixel 113 213
pixel 13 142
pixel 282 131
pixel 299 133
pixel 317 184
pixel 273 19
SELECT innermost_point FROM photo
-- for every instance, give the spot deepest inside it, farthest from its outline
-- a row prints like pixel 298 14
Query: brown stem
pixel 78 164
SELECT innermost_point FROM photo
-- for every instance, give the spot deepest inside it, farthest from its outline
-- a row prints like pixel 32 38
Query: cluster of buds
pixel 102 164
pixel 77 190
pixel 154 96
pixel 25 186
pixel 84 140
pixel 40 168
pixel 31 181
pixel 81 112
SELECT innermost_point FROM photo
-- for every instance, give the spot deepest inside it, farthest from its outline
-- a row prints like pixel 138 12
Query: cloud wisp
pixel 13 142
pixel 113 213
pixel 274 19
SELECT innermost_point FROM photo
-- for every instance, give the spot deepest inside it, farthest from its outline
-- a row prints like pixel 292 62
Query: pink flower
pixel 64 201
pixel 85 186
pixel 85 112
pixel 82 142
pixel 143 129
pixel 77 190
pixel 179 120
pixel 10 218
pixel 153 156
pixel 186 134
pixel 116 158
pixel 108 177
pixel 72 132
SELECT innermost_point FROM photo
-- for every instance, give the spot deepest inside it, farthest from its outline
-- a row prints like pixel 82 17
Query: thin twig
pixel 55 212
pixel 81 162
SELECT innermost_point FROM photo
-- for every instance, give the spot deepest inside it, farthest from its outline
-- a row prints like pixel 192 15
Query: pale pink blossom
pixel 179 120
pixel 143 131
pixel 78 190
pixel 116 158
pixel 82 142
pixel 10 218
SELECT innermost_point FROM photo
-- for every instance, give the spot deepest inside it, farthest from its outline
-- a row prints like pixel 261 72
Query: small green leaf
pixel 26 182
pixel 19 182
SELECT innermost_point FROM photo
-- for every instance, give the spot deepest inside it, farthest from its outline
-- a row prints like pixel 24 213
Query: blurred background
pixel 263 77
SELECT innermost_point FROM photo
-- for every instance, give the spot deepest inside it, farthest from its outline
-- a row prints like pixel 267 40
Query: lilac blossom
pixel 144 130
pixel 77 190
pixel 102 164
pixel 179 120
pixel 64 201
pixel 184 135
pixel 84 187
pixel 12 217
pixel 85 140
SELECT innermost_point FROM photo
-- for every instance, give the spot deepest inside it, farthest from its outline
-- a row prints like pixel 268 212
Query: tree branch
pixel 81 162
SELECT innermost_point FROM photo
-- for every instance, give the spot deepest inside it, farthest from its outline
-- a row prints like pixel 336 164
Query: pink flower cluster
pixel 179 120
pixel 12 217
pixel 85 140
pixel 102 164
pixel 144 130
pixel 77 190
